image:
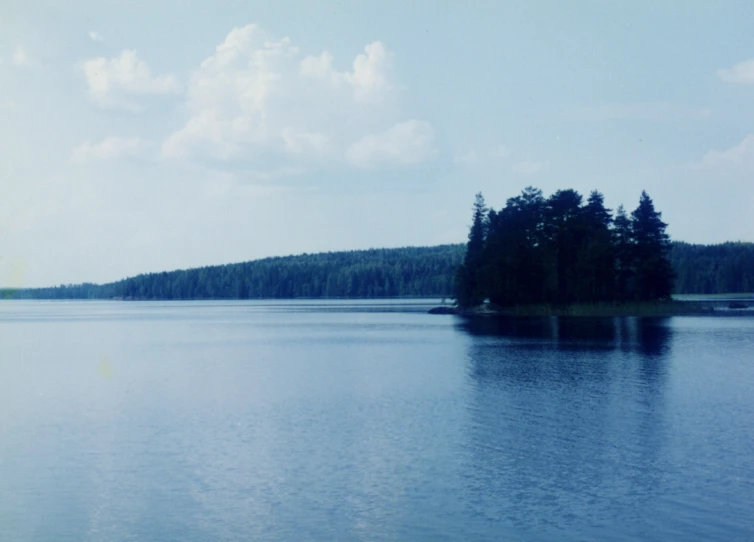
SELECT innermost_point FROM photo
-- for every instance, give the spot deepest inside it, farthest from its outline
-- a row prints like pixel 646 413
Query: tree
pixel 624 256
pixel 596 262
pixel 468 291
pixel 653 271
pixel 564 233
pixel 513 271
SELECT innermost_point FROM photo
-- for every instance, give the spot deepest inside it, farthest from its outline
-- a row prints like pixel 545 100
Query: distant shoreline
pixel 643 309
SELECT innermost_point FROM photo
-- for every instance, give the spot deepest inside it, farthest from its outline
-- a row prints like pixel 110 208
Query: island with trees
pixel 564 255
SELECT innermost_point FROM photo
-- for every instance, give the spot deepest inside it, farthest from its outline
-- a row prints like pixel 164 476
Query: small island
pixel 561 256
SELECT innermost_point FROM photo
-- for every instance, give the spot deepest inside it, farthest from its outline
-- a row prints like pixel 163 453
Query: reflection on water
pixel 567 420
pixel 649 335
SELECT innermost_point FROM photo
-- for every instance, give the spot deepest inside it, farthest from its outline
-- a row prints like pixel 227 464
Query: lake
pixel 345 420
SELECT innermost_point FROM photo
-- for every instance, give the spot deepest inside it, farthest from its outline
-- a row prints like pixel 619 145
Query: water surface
pixel 370 421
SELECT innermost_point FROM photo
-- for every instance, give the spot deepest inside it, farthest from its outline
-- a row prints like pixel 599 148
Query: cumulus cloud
pixel 110 148
pixel 743 72
pixel 369 79
pixel 258 99
pixel 120 82
pixel 409 142
pixel 95 36
pixel 741 155
pixel 21 57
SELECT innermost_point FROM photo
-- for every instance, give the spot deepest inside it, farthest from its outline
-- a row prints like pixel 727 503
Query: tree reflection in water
pixel 567 419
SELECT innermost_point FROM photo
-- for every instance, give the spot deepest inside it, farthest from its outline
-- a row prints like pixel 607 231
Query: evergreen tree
pixel 564 232
pixel 624 256
pixel 468 289
pixel 514 270
pixel 653 271
pixel 596 263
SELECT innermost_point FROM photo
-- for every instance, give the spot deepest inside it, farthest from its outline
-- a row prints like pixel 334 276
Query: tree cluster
pixel 562 250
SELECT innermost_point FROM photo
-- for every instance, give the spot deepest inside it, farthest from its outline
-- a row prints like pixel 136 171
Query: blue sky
pixel 143 136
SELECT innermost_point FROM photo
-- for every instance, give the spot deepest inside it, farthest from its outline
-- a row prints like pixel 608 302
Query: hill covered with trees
pixel 561 250
pixel 713 269
pixel 417 271
pixel 413 271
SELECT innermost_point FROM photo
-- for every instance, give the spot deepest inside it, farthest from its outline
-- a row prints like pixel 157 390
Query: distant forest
pixel 419 271
pixel 725 268
pixel 397 272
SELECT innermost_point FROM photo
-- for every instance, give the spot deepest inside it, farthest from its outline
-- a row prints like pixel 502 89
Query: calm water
pixel 216 421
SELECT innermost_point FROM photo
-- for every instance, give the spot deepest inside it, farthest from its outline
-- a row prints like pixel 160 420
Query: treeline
pixel 64 291
pixel 713 269
pixel 420 271
pixel 562 250
pixel 414 271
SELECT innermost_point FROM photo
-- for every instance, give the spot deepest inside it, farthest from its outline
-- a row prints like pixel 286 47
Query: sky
pixel 145 136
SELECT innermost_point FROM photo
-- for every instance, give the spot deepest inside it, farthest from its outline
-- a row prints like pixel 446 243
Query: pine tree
pixel 596 257
pixel 624 256
pixel 468 288
pixel 654 273
pixel 563 220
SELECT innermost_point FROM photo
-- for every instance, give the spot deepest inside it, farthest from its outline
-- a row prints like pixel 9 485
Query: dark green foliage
pixel 70 291
pixel 561 251
pixel 468 287
pixel 564 235
pixel 651 245
pixel 726 268
pixel 417 271
pixel 518 267
pixel 513 270
pixel 596 264
pixel 624 255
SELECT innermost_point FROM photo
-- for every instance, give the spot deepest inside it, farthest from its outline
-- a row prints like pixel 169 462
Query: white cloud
pixel 409 142
pixel 742 155
pixel 110 148
pixel 743 72
pixel 21 57
pixel 95 36
pixel 256 100
pixel 120 81
pixel 369 79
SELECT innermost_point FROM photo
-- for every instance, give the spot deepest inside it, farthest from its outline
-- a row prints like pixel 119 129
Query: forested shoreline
pixel 724 268
pixel 374 273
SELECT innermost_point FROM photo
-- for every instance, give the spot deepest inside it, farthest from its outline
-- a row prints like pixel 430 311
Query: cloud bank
pixel 259 100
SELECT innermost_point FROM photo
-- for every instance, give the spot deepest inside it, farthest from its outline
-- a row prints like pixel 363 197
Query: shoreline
pixel 633 309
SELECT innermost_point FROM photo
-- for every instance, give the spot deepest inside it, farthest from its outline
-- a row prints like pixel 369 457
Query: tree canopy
pixel 561 250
